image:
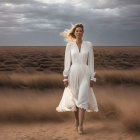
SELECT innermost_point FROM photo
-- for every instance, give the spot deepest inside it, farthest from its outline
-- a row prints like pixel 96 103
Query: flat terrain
pixel 50 131
pixel 31 115
pixel 45 59
pixel 31 88
pixel 42 67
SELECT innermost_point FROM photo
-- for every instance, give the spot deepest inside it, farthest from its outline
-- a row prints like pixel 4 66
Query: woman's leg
pixel 76 116
pixel 83 99
pixel 81 116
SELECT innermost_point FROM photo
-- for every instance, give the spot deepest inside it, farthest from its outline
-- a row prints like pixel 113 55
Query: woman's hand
pixel 65 83
pixel 91 83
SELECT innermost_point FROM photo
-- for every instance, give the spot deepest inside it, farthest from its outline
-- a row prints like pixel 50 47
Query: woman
pixel 78 95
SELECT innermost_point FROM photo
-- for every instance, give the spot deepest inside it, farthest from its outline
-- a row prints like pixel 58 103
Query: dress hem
pixel 74 109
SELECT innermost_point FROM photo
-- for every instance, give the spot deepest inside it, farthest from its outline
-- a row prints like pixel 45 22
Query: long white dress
pixel 79 67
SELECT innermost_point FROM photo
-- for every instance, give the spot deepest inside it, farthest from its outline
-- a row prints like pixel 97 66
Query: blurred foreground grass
pixel 54 80
pixel 115 103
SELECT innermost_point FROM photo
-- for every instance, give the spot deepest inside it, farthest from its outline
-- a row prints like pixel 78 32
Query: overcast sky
pixel 39 22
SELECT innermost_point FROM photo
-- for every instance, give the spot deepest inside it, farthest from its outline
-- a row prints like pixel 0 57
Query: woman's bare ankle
pixel 80 125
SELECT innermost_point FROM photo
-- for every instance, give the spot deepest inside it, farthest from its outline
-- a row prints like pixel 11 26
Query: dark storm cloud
pixel 107 18
pixel 33 15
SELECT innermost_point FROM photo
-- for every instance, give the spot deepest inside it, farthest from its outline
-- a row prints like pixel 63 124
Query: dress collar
pixel 78 47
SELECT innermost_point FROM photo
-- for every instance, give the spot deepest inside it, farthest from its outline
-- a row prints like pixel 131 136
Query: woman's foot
pixel 76 124
pixel 80 130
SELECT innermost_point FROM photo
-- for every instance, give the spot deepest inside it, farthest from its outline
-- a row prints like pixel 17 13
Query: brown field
pixel 31 114
pixel 30 67
pixel 31 87
pixel 46 59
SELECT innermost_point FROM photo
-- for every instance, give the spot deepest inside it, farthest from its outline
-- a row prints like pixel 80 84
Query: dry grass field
pixel 31 114
pixel 46 59
pixel 41 67
pixel 31 88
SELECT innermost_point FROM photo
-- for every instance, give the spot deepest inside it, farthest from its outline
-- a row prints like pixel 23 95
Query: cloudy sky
pixel 39 22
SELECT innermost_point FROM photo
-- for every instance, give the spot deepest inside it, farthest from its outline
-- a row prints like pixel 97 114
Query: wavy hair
pixel 68 34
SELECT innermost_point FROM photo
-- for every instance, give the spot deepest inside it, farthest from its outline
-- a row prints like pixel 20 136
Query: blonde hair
pixel 68 34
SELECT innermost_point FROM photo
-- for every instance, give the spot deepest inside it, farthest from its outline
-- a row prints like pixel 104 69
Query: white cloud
pixel 52 1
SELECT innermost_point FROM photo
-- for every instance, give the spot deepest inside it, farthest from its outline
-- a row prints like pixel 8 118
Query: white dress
pixel 79 67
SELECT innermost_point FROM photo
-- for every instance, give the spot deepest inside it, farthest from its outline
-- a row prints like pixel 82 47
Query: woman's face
pixel 78 33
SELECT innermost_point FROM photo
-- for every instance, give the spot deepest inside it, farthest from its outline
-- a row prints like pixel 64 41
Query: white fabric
pixel 79 67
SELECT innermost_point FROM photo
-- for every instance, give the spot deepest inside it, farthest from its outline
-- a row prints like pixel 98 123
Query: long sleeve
pixel 91 63
pixel 67 60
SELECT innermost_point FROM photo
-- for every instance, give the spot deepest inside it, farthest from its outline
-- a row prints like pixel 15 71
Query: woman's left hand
pixel 91 83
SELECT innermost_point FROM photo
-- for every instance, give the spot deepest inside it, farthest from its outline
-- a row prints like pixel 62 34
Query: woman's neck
pixel 78 41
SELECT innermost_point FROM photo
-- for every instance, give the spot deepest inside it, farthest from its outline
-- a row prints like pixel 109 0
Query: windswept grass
pixel 40 69
pixel 118 77
pixel 54 80
pixel 32 81
pixel 115 104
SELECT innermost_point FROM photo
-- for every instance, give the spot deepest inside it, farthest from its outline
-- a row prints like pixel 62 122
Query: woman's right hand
pixel 65 83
